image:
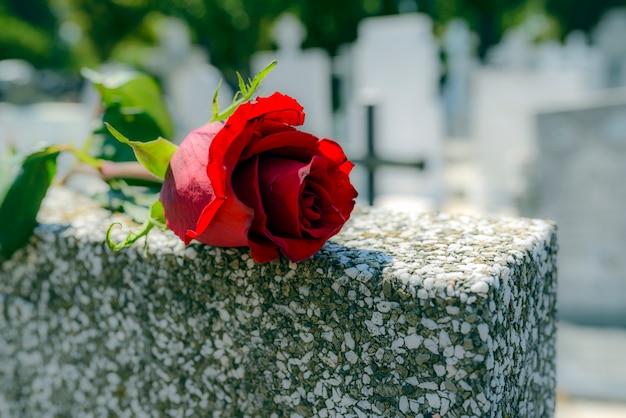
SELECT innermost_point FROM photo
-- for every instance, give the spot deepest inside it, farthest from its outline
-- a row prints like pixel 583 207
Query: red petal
pixel 192 209
pixel 335 197
pixel 262 249
pixel 298 249
pixel 331 150
pixel 229 224
pixel 186 189
pixel 245 180
pixel 236 134
pixel 296 145
pixel 281 183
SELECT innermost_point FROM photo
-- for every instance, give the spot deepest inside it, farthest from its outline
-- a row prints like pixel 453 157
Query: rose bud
pixel 257 181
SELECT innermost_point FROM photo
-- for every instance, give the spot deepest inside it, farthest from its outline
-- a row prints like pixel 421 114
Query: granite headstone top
pixel 401 315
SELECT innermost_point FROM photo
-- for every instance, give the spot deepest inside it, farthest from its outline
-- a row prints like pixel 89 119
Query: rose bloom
pixel 257 181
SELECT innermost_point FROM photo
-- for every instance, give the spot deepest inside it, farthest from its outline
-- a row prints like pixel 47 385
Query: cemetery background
pixel 535 130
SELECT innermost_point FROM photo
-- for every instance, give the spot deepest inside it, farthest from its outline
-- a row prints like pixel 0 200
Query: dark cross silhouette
pixel 372 161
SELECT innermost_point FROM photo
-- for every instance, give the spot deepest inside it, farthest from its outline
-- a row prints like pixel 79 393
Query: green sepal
pixel 245 93
pixel 132 102
pixel 153 155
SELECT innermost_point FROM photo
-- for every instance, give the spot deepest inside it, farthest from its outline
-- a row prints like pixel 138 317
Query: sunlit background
pixel 513 108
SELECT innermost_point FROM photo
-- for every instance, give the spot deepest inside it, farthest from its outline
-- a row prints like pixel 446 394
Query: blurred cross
pixel 371 161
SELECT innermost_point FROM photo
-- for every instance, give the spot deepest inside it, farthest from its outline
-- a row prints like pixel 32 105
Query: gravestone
pixel 515 50
pixel 507 94
pixel 580 184
pixel 578 53
pixel 189 80
pixel 190 92
pixel 343 76
pixel 396 71
pixel 306 75
pixel 402 314
pixel 459 45
pixel 27 128
pixel 17 81
pixel 608 37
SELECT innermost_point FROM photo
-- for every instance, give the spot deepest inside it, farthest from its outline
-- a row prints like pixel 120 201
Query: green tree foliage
pixel 487 18
pixel 107 22
pixel 28 32
pixel 232 30
pixel 580 14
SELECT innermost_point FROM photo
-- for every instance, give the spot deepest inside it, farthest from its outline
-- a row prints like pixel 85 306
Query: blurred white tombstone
pixel 396 71
pixel 459 44
pixel 15 72
pixel 507 95
pixel 28 128
pixel 577 53
pixel 581 186
pixel 514 51
pixel 609 37
pixel 549 56
pixel 189 80
pixel 190 90
pixel 173 50
pixel 343 73
pixel 304 75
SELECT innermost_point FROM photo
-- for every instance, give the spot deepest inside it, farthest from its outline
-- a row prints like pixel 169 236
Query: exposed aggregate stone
pixel 401 315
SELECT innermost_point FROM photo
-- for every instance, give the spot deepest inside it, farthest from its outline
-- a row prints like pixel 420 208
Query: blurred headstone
pixel 190 90
pixel 21 83
pixel 396 71
pixel 550 56
pixel 189 80
pixel 459 44
pixel 17 81
pixel 507 95
pixel 580 184
pixel 302 74
pixel 27 128
pixel 577 53
pixel 343 76
pixel 514 51
pixel 609 37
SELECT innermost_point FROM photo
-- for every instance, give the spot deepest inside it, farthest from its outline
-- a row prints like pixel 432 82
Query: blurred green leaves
pixel 23 185
pixel 20 40
pixel 132 103
pixel 28 33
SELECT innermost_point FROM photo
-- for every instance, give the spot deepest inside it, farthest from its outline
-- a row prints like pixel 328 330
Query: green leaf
pixel 156 218
pixel 245 93
pixel 133 104
pixel 21 194
pixel 243 88
pixel 9 167
pixel 154 155
pixel 216 108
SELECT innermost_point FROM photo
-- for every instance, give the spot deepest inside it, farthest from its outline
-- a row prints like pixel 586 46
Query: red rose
pixel 257 181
